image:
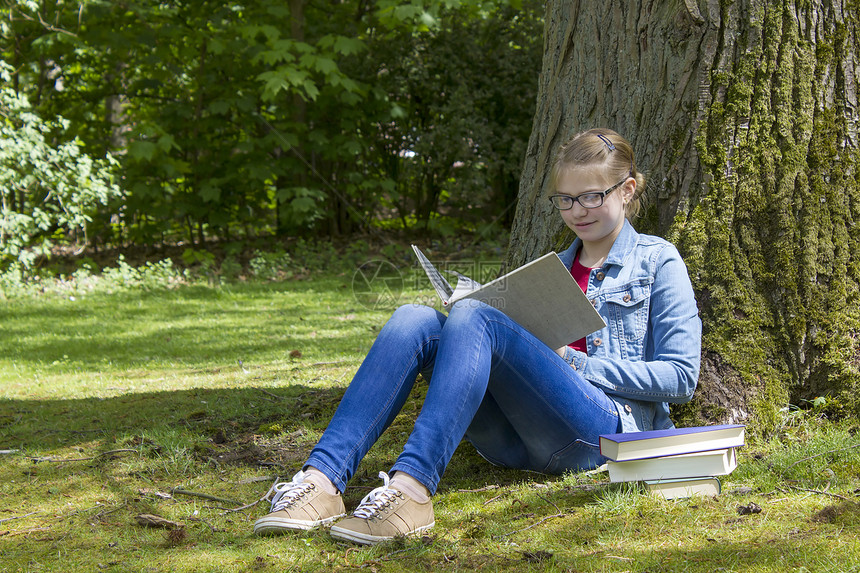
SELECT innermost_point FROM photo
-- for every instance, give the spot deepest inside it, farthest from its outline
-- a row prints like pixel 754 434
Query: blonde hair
pixel 600 147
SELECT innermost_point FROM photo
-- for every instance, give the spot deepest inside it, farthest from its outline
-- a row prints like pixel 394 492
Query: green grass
pixel 112 400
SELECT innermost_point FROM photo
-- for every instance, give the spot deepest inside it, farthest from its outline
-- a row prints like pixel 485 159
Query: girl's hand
pixel 567 354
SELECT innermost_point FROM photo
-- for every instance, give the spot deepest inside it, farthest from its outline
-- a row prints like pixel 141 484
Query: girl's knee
pixel 415 318
pixel 413 312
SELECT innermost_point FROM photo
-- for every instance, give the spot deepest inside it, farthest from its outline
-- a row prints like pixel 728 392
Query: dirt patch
pixel 285 452
pixel 847 511
pixel 250 455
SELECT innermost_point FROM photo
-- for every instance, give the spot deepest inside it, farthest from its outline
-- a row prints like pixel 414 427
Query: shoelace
pixel 376 500
pixel 288 492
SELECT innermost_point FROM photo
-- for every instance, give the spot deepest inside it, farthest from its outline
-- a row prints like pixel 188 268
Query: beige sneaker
pixel 299 505
pixel 384 514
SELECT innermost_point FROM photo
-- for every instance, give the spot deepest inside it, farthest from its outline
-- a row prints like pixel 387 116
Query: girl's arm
pixel 669 370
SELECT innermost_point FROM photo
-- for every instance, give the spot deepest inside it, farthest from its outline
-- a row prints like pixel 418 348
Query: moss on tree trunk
pixel 744 118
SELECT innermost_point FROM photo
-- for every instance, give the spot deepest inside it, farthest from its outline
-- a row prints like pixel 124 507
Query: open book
pixel 541 296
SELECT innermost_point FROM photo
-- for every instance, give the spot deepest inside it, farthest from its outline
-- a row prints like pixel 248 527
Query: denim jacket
pixel 648 354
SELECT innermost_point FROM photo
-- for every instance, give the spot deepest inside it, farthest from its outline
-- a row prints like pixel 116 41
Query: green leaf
pixel 311 89
pixel 142 150
pixel 308 60
pixel 405 13
pixel 294 76
pixel 428 20
pixel 303 204
pixel 348 46
pixel 325 65
pixel 274 56
pixel 304 48
pixel 210 192
pixel 166 143
pixel 272 33
pixel 283 78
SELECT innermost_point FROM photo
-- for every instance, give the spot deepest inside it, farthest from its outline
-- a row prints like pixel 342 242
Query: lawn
pixel 186 403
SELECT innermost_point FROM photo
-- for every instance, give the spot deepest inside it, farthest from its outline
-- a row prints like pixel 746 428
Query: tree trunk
pixel 743 116
pixel 115 108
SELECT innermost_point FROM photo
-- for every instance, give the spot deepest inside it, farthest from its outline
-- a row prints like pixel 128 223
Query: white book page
pixel 440 285
pixel 465 285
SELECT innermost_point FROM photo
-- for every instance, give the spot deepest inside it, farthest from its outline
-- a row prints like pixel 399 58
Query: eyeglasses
pixel 587 200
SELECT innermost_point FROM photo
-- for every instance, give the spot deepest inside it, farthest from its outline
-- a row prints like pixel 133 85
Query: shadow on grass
pixel 181 435
pixel 270 429
pixel 772 555
pixel 700 543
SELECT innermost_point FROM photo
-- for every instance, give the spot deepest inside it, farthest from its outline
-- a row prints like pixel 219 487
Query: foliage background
pixel 233 120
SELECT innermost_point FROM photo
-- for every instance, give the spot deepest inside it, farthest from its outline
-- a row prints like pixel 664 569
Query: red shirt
pixel 580 274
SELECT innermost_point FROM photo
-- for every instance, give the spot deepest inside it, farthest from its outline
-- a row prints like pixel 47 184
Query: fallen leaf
pixel 149 520
pixel 749 509
pixel 536 556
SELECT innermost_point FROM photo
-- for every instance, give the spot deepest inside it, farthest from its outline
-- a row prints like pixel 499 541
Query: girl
pixel 519 403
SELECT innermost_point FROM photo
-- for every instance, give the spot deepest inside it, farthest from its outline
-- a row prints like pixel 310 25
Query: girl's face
pixel 598 225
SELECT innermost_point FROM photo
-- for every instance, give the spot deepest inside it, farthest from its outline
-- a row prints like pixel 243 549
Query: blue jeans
pixel 518 402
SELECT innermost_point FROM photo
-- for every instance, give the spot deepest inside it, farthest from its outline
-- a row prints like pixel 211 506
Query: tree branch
pixel 547 518
pixel 819 455
pixel 533 525
pixel 179 491
pixel 18 517
pixel 41 21
pixel 819 492
pixel 56 461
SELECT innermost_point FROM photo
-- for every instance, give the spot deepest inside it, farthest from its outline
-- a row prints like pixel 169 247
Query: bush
pixel 47 190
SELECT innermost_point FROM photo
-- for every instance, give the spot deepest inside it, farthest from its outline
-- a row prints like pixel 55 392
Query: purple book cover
pixel 634 436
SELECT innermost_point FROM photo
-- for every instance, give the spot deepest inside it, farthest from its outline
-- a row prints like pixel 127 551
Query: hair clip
pixel 605 140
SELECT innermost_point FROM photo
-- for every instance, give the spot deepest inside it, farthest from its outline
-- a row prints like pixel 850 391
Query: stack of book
pixel 675 463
